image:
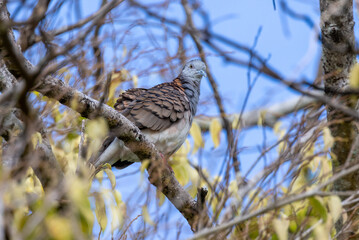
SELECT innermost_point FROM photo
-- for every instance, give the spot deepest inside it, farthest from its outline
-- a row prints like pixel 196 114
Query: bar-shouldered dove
pixel 164 113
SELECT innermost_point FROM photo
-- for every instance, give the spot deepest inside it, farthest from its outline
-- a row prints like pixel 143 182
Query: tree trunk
pixel 337 27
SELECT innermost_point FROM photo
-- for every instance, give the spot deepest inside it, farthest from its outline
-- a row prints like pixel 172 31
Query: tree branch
pixel 267 115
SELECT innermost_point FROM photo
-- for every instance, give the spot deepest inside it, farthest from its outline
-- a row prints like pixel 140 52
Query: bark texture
pixel 337 27
pixel 338 58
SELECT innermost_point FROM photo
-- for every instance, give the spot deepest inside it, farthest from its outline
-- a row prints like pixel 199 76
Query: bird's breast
pixel 171 139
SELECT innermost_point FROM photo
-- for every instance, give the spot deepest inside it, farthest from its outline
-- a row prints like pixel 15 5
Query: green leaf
pixel 318 208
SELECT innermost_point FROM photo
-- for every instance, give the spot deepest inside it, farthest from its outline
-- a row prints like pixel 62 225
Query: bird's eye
pixel 190 66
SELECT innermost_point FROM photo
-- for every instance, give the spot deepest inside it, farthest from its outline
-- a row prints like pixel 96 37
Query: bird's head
pixel 195 69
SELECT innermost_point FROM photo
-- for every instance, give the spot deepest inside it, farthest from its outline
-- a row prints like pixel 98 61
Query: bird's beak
pixel 202 73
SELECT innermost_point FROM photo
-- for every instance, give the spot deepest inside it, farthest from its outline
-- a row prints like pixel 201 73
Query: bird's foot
pixel 165 161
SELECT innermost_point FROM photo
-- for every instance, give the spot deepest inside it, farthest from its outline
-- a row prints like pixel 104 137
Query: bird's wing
pixel 155 108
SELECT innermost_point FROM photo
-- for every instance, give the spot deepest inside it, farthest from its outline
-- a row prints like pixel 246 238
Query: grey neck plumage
pixel 191 87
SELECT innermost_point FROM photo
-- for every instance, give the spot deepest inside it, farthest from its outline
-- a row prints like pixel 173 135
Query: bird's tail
pixel 114 152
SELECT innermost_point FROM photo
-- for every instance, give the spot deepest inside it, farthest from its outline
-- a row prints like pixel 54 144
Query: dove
pixel 164 113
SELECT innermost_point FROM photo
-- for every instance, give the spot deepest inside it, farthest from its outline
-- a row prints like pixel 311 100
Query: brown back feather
pixel 155 108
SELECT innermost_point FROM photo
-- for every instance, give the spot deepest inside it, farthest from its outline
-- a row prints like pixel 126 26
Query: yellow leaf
pixel 20 215
pixel 56 114
pixel 116 81
pixel 146 216
pixel 37 94
pixel 277 127
pixel 261 118
pixel 74 102
pixel 328 138
pixel 335 207
pixel 67 77
pixel 115 76
pixel 308 151
pixel 100 211
pixel 144 165
pixel 63 70
pixel 315 163
pixel 320 232
pixel 117 217
pixel 111 176
pixel 106 166
pixel 99 176
pixel 161 197
pixel 326 170
pixel 300 183
pixel 97 128
pixel 118 197
pixel 35 139
pixel 78 194
pixel 354 76
pixel 236 122
pixel 181 174
pixel 59 227
pixel 29 182
pixel 1 147
pixel 135 80
pixel 215 130
pixel 282 146
pixel 195 132
pixel 281 228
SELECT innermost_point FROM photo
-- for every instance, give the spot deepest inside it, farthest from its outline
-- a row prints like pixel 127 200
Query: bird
pixel 164 113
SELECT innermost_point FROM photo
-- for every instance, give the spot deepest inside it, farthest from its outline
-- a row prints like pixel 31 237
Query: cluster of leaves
pixel 67 211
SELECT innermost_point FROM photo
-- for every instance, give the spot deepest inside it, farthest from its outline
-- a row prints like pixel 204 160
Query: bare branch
pixel 268 115
pixel 27 36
